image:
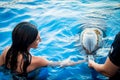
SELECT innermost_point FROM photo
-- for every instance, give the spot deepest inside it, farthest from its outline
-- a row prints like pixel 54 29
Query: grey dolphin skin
pixel 91 41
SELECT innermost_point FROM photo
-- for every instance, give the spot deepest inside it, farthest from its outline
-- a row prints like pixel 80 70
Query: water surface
pixel 60 23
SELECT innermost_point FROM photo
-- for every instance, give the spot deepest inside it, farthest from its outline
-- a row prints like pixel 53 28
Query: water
pixel 60 23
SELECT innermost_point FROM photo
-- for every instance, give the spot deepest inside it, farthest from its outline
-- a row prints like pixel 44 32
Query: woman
pixel 111 67
pixel 17 57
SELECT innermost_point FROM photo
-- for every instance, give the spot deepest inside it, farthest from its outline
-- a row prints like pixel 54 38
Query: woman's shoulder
pixel 39 61
pixel 2 56
pixel 5 50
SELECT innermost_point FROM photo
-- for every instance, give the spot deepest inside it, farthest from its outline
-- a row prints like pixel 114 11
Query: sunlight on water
pixel 60 23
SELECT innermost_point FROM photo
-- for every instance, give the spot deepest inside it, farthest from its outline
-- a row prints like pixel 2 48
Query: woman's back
pixel 36 62
pixel 32 70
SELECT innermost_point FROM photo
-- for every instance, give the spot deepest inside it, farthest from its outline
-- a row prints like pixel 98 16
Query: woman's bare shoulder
pixel 39 61
pixel 2 56
pixel 6 50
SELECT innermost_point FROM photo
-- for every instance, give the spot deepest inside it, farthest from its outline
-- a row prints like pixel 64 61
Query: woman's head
pixel 23 35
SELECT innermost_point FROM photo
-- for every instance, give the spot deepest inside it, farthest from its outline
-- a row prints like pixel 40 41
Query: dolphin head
pixel 91 39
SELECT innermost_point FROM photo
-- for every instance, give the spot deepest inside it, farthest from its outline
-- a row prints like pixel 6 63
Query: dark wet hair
pixel 23 35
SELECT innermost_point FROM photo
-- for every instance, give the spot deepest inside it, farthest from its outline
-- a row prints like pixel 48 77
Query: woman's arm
pixel 40 62
pixel 107 69
pixel 64 63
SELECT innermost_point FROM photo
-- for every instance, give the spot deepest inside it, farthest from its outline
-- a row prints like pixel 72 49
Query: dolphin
pixel 91 40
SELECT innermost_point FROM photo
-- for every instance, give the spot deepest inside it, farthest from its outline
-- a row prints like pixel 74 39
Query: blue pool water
pixel 60 23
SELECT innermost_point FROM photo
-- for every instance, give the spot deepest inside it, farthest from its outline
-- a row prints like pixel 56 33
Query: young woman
pixel 111 67
pixel 17 57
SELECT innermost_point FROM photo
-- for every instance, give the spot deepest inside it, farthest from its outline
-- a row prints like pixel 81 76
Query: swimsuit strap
pixel 21 76
pixel 18 76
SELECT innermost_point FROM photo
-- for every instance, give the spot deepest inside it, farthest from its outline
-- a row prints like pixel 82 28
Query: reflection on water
pixel 60 23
